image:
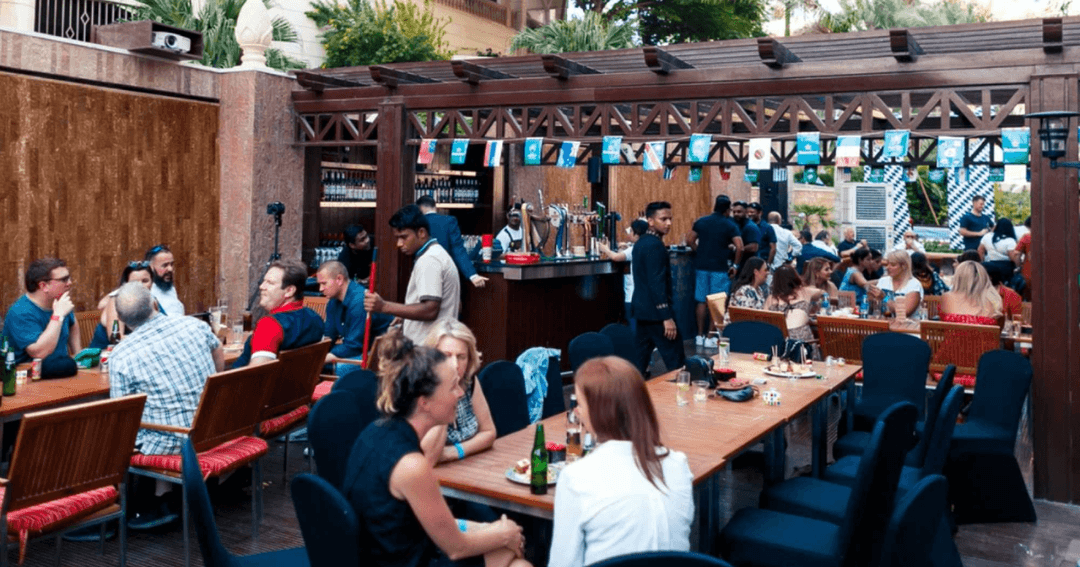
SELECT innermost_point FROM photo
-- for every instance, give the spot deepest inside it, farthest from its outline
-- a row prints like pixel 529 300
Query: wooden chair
pixel 933 307
pixel 774 318
pixel 290 398
pixel 229 411
pixel 316 304
pixel 68 472
pixel 959 344
pixel 842 337
pixel 87 322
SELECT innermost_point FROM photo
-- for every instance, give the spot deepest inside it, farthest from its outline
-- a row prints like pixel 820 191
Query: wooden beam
pixel 393 77
pixel 562 68
pixel 903 45
pixel 661 62
pixel 774 54
pixel 472 73
pixel 1052 35
pixel 316 82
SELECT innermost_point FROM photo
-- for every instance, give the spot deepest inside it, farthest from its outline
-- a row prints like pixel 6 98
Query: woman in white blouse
pixel 994 249
pixel 630 494
pixel 906 291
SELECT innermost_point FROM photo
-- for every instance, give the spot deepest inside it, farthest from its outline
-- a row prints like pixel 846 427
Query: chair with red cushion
pixel 67 472
pixel 229 412
pixel 290 398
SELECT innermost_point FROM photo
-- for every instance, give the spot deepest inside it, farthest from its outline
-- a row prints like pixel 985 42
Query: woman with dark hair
pixel 133 272
pixel 932 283
pixel 817 273
pixel 795 301
pixel 404 519
pixel 631 494
pixel 994 248
pixel 855 277
pixel 748 289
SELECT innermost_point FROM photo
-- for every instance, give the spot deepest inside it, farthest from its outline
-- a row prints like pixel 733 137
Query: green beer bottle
pixel 539 463
pixel 9 368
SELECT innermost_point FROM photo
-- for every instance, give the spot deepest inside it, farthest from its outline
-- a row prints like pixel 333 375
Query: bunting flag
pixel 896 144
pixel 809 175
pixel 669 172
pixel 997 174
pixel 695 174
pixel 877 175
pixel 848 151
pixel 936 175
pixel 760 153
pixel 458 150
pixel 610 151
pixel 750 175
pixel 1015 173
pixel 533 151
pixel 911 175
pixel 568 154
pixel 628 153
pixel 893 178
pixel 427 151
pixel 1015 145
pixel 725 173
pixel 950 152
pixel 493 153
pixel 809 145
pixel 654 156
pixel 700 144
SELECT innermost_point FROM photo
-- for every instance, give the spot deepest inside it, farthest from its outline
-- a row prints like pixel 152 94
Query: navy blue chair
pixel 912 539
pixel 749 337
pixel 554 402
pixel 622 338
pixel 769 538
pixel 664 558
pixel 197 499
pixel 589 345
pixel 365 385
pixel 504 388
pixel 327 522
pixel 333 426
pixel 985 482
pixel 895 368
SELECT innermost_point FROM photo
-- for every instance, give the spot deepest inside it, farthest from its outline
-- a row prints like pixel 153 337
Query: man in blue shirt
pixel 974 225
pixel 751 234
pixel 445 230
pixel 810 251
pixel 41 324
pixel 767 246
pixel 345 314
pixel 712 239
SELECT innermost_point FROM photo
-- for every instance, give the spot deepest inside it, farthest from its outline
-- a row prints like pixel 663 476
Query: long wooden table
pixel 710 433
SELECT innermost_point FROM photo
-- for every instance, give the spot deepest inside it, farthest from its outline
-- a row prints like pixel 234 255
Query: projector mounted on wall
pixel 171 42
pixel 151 38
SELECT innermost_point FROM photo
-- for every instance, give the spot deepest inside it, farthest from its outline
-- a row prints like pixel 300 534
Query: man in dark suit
pixel 444 229
pixel 651 304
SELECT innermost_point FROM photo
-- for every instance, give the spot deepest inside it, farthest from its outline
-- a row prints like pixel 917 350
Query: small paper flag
pixel 896 144
pixel 750 175
pixel 950 152
pixel 654 156
pixel 458 150
pixel 493 153
pixel 533 148
pixel 700 144
pixel 427 151
pixel 810 175
pixel 669 172
pixel 760 153
pixel 936 175
pixel 809 145
pixel 848 150
pixel 1015 145
pixel 725 173
pixel 568 154
pixel 610 151
pixel 628 153
pixel 695 174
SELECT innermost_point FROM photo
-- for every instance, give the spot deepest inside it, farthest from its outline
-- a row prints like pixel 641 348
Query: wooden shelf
pixel 347 204
pixel 455 205
pixel 354 166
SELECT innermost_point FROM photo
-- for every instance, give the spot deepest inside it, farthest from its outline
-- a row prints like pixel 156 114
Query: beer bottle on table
pixel 9 369
pixel 114 336
pixel 539 463
pixel 573 431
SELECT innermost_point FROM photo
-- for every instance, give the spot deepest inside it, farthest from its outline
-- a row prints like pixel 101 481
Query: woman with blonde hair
pixel 817 273
pixel 898 287
pixel 473 429
pixel 630 494
pixel 973 299
pixel 405 519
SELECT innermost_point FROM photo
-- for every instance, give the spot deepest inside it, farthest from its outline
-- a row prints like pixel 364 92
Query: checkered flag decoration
pixel 896 188
pixel 960 192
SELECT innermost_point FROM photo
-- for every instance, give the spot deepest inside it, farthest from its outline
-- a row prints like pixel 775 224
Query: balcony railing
pixel 73 19
pixel 482 9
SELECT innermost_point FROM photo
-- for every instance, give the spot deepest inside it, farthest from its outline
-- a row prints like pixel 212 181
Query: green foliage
pixel 217 22
pixel 359 33
pixel 806 211
pixel 862 15
pixel 592 32
pixel 1014 206
pixel 917 201
pixel 681 21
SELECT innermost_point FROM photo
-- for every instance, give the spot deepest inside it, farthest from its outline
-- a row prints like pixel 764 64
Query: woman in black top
pixel 404 519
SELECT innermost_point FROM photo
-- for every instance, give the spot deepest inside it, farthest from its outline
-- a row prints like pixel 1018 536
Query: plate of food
pixel 521 472
pixel 790 370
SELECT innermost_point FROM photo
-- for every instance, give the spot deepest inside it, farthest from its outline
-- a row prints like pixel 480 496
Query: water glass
pixel 682 390
pixel 238 333
pixel 901 312
pixel 1017 324
pixel 725 350
pixel 701 391
pixel 215 319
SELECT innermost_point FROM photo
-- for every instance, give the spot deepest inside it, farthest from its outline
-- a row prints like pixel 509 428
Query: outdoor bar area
pixel 868 431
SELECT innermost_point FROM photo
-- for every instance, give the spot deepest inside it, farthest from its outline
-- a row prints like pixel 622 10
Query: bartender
pixel 509 237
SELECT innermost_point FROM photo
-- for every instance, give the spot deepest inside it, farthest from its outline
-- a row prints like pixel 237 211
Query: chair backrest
pixel 774 318
pixel 622 338
pixel 70 450
pixel 933 307
pixel 316 304
pixel 87 322
pixel 665 558
pixel 959 344
pixel 589 345
pixel 876 479
pixel 895 368
pixel 937 448
pixel 504 388
pixel 933 408
pixel 749 337
pixel 910 537
pixel 1025 312
pixel 554 402
pixel 300 368
pixel 365 384
pixel 1003 381
pixel 231 405
pixel 327 521
pixel 333 426
pixel 842 337
pixel 198 501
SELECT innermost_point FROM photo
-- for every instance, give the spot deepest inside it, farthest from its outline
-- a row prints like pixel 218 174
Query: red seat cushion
pixel 965 380
pixel 218 460
pixel 38 518
pixel 273 426
pixel 322 389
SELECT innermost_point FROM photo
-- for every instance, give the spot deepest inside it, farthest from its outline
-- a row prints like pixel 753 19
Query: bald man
pixel 787 246
pixel 345 314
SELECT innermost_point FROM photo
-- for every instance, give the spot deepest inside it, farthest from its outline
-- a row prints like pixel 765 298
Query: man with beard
pixel 163 290
pixel 751 234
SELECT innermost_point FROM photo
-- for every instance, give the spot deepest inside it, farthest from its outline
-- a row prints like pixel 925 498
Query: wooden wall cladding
pixel 97 176
pixel 560 185
pixel 632 188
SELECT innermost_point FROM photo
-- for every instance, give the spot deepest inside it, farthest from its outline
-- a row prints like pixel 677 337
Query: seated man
pixel 289 324
pixel 41 324
pixel 168 359
pixel 810 250
pixel 345 314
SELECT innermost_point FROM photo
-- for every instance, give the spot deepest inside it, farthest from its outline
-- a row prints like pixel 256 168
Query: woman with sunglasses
pixel 133 272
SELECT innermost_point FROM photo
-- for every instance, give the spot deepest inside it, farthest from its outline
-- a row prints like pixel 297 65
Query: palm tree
pixel 590 33
pixel 862 15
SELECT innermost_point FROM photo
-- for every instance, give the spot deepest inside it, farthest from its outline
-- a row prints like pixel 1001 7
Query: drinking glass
pixel 238 333
pixel 725 350
pixel 682 381
pixel 901 313
pixel 1017 324
pixel 701 391
pixel 215 319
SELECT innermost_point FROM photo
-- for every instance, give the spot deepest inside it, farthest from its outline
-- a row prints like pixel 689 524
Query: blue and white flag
pixel 809 175
pixel 493 153
pixel 695 174
pixel 533 150
pixel 654 156
pixel 936 175
pixel 568 154
pixel 1015 145
pixel 809 145
pixel 896 144
pixel 628 153
pixel 750 175
pixel 669 172
pixel 877 175
pixel 458 150
pixel 610 151
pixel 700 144
pixel 950 152
pixel 848 151
pixel 996 174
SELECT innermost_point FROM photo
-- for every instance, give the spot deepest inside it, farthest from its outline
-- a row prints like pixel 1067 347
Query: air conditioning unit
pixel 866 207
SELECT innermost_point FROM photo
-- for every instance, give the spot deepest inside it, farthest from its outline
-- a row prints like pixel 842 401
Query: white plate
pixel 514 476
pixel 771 372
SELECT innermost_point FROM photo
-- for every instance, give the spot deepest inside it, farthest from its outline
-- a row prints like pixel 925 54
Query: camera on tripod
pixel 276 208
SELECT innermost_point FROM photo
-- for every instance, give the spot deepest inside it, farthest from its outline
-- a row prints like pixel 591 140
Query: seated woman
pixel 818 273
pixel 630 494
pixel 748 289
pixel 403 517
pixel 855 278
pixel 995 247
pixel 973 299
pixel 898 288
pixel 931 282
pixel 796 301
pixel 1011 302
pixel 133 272
pixel 473 429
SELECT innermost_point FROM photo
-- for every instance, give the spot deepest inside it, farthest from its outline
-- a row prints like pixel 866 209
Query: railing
pixel 73 19
pixel 482 9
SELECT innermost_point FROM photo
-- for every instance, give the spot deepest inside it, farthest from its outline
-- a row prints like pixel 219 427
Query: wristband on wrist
pixel 54 318
pixel 461 525
pixel 460 455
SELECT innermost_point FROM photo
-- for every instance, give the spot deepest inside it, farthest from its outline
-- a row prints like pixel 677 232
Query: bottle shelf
pixel 347 204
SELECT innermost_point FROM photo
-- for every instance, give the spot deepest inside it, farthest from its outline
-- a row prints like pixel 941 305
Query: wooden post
pixel 1055 209
pixel 395 182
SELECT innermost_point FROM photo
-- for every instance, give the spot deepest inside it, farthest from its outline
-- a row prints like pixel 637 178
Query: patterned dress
pixel 750 297
pixel 803 332
pixel 465 425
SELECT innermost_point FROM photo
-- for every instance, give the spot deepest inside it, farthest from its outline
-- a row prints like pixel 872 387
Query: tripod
pixel 277 208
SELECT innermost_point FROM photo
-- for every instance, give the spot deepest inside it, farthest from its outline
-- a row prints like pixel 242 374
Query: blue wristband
pixel 461 525
pixel 460 455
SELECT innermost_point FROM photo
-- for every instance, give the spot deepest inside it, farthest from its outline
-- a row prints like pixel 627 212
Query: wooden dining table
pixel 710 433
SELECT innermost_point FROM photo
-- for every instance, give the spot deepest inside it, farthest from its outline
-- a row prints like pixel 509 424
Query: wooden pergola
pixel 967 80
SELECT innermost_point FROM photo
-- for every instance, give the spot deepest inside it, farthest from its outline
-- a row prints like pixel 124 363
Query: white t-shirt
pixel 508 235
pixel 168 300
pixel 912 285
pixel 434 276
pixel 997 251
pixel 605 507
pixel 628 279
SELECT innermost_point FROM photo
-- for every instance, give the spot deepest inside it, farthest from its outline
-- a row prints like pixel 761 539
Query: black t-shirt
pixel 768 238
pixel 357 262
pixel 974 224
pixel 844 246
pixel 715 233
